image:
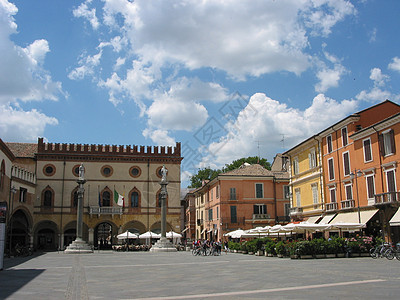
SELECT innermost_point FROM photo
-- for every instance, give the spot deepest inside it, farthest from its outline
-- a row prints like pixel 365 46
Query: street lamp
pixel 13 191
pixel 356 174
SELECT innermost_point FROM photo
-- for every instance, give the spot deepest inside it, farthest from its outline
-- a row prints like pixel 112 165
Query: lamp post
pixel 13 191
pixel 356 174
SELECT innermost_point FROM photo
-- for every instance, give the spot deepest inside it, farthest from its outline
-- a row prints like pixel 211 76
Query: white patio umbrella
pixel 149 235
pixel 256 232
pixel 172 234
pixel 348 226
pixel 127 235
pixel 236 234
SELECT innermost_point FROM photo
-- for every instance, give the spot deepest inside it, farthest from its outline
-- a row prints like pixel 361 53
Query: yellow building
pixel 306 180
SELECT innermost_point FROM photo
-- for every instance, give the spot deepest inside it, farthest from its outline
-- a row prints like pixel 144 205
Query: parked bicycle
pixel 383 250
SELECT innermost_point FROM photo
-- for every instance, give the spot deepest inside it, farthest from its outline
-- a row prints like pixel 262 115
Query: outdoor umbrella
pixel 149 235
pixel 236 234
pixel 127 235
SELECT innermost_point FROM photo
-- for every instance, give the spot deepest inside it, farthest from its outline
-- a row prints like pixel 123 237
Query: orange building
pixel 359 163
pixel 244 198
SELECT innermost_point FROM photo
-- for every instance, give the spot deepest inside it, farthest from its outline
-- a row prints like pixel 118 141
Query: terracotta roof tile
pixel 23 149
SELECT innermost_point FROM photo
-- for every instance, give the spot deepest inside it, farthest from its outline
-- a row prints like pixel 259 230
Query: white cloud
pixel 22 76
pixel 272 120
pixel 159 137
pixel 173 114
pixel 87 66
pixel 83 11
pixel 23 126
pixel 329 78
pixel 378 78
pixel 395 64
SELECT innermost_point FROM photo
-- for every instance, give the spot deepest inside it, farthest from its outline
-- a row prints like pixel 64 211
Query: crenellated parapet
pixel 114 150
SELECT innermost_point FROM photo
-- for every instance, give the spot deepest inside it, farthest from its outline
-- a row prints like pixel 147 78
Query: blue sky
pixel 227 79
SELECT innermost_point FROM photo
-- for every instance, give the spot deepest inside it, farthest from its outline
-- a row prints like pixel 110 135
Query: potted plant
pixel 320 247
pixel 280 248
pixel 304 249
pixel 269 248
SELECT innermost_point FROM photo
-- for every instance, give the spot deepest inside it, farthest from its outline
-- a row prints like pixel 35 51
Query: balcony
pixel 105 210
pixel 283 219
pixel 387 198
pixel 294 211
pixel 348 203
pixel 260 216
pixel 331 206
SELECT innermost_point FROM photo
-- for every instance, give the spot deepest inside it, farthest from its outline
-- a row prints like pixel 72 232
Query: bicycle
pixel 383 250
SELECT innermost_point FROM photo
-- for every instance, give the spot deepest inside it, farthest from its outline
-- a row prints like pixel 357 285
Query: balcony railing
pixel 260 216
pixel 331 206
pixel 347 203
pixel 105 210
pixel 283 219
pixel 387 198
pixel 296 211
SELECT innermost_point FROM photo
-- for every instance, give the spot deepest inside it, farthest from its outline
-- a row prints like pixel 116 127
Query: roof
pixel 254 170
pixel 23 149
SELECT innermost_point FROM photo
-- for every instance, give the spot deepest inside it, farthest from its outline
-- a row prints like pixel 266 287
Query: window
pixel 217 192
pixel 106 171
pixel 298 197
pixel 210 214
pixel 233 214
pixel 391 184
pixel 49 170
pixel 370 186
pixel 314 189
pixel 135 171
pixel 346 164
pixel 211 195
pixel 134 199
pixel 217 212
pixel 312 161
pixel 2 173
pixel 232 193
pixel 367 150
pixel 295 166
pixel 329 143
pixel 287 209
pixel 259 209
pixel 286 191
pixel 47 199
pixel 344 136
pixel 387 143
pixel 349 191
pixel 106 196
pixel 332 193
pixel 259 190
pixel 22 194
pixel 331 169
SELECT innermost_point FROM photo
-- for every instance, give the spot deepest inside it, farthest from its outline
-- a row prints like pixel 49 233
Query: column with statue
pixel 163 245
pixel 79 245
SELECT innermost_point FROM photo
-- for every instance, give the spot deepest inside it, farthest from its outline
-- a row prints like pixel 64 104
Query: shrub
pixel 251 246
pixel 233 245
pixel 304 248
pixel 269 247
pixel 281 248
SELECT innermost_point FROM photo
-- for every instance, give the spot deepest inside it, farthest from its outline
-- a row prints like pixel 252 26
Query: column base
pixel 78 246
pixel 163 245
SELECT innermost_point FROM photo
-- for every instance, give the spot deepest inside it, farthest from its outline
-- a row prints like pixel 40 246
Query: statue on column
pixel 81 172
pixel 164 172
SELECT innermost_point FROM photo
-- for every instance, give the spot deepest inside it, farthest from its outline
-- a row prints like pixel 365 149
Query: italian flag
pixel 118 198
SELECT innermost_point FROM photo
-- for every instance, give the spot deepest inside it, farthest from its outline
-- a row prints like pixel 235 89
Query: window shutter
pixel 381 145
pixel 392 142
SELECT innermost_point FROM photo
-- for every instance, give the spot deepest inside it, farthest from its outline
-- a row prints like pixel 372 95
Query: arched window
pixel 47 198
pixel 135 199
pixel 106 198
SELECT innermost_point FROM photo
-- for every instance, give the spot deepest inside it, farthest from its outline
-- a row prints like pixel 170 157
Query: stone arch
pixel 135 227
pixel 105 234
pixel 156 227
pixel 46 235
pixel 20 228
pixel 69 233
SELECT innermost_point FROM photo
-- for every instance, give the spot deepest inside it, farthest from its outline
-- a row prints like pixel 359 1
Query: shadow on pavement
pixel 12 280
pixel 10 262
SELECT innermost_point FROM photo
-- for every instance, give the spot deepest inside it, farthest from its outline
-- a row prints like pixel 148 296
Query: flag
pixel 118 198
pixel 99 200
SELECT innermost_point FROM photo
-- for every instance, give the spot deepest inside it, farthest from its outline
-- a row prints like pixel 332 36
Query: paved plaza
pixel 179 275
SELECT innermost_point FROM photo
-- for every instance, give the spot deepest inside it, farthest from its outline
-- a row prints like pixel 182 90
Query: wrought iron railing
pixel 105 210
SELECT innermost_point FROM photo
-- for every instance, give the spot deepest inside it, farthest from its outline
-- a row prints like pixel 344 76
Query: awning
pixel 352 217
pixel 326 219
pixel 395 220
pixel 313 219
pixel 204 230
pixel 184 229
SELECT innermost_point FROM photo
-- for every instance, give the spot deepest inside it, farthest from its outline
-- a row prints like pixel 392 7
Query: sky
pixel 227 79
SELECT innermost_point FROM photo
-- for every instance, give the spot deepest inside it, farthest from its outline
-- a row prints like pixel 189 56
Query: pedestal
pixel 163 245
pixel 78 246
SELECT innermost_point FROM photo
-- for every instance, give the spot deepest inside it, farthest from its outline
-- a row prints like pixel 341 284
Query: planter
pixel 295 256
pixel 244 252
pixel 320 256
pixel 306 256
pixel 280 255
pixel 251 253
pixel 270 255
pixel 259 253
pixel 365 254
pixel 330 255
pixel 235 251
pixel 340 255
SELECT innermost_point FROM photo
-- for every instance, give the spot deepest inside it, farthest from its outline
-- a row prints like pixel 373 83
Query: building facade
pixel 244 198
pixel 49 211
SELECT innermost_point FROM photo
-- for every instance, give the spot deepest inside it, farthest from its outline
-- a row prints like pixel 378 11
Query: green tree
pixel 209 174
pixel 203 174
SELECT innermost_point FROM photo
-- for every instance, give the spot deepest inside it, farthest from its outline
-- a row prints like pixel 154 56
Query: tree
pixel 209 174
pixel 203 174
